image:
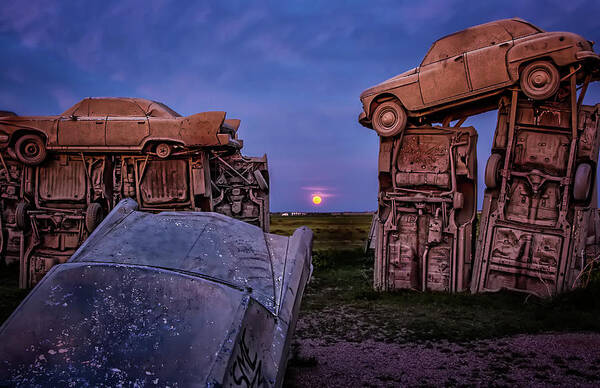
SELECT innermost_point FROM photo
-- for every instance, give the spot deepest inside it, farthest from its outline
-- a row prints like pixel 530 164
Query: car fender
pixel 560 47
pixel 9 132
pixel 202 128
pixel 404 87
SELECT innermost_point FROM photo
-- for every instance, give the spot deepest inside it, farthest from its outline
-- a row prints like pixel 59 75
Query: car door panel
pixel 126 131
pixel 81 131
pixel 443 79
pixel 487 66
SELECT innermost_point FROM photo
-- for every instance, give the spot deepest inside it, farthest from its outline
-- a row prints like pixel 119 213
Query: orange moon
pixel 317 199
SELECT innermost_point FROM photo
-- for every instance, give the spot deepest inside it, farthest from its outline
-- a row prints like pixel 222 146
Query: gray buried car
pixel 168 299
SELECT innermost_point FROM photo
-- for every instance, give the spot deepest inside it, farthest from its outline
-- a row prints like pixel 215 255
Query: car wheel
pixel 492 171
pixel 163 150
pixel 583 182
pixel 540 80
pixel 260 179
pixel 21 216
pixel 30 149
pixel 389 119
pixel 93 216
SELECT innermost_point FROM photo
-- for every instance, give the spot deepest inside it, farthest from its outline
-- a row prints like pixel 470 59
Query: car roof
pixel 150 107
pixel 514 28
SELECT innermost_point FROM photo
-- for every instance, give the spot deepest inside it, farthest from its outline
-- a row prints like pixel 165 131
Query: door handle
pixel 505 44
pixel 141 122
pixel 99 122
pixel 458 59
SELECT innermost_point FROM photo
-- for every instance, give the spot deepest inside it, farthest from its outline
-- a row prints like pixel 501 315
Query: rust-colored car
pixel 114 125
pixel 474 64
pixel 427 209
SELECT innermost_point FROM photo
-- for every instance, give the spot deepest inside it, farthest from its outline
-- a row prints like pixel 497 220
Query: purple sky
pixel 292 71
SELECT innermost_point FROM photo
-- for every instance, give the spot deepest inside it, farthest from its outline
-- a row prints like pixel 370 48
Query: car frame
pixel 474 64
pixel 114 124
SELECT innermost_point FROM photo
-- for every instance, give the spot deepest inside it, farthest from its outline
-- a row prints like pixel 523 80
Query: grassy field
pixel 331 232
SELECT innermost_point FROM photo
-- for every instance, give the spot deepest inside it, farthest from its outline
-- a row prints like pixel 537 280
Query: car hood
pixel 393 82
pixel 208 244
pixel 104 323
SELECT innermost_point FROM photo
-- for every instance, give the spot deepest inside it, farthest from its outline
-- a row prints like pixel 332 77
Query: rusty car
pixel 539 196
pixel 114 124
pixel 168 299
pixel 424 227
pixel 480 62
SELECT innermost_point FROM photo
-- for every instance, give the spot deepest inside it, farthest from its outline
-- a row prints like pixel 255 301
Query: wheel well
pixel 525 63
pixel 379 99
pixel 22 132
pixel 154 142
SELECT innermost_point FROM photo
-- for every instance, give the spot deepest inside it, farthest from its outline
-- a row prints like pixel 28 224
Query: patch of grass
pixel 332 232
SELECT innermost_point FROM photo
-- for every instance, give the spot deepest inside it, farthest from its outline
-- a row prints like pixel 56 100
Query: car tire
pixel 163 150
pixel 389 119
pixel 582 182
pixel 540 80
pixel 492 171
pixel 30 149
pixel 262 182
pixel 21 216
pixel 94 215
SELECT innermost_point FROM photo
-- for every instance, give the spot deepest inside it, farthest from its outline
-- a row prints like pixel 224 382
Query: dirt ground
pixel 565 360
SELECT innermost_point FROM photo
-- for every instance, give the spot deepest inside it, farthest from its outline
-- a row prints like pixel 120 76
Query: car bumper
pixel 587 55
pixel 364 121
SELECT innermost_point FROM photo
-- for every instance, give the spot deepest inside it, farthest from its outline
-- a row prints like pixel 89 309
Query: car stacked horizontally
pixel 60 175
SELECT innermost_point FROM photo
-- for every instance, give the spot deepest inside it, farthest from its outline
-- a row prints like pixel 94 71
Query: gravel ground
pixel 544 360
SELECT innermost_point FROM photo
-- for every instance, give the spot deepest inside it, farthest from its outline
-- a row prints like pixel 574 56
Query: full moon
pixel 317 199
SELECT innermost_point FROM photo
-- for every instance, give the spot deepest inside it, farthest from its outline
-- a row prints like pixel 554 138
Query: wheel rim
pixel 31 150
pixel 388 118
pixel 540 80
pixel 162 150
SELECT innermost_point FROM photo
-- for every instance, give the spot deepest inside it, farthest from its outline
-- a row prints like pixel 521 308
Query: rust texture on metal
pixel 241 188
pixel 427 208
pixel 60 175
pixel 537 232
pixel 539 198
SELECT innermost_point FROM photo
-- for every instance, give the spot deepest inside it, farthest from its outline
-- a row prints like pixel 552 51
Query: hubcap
pixel 31 149
pixel 388 118
pixel 162 150
pixel 540 78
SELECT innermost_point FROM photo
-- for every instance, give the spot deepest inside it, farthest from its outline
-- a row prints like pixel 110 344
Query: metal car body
pixel 115 125
pixel 67 197
pixel 168 299
pixel 424 227
pixel 538 201
pixel 464 68
pixel 240 187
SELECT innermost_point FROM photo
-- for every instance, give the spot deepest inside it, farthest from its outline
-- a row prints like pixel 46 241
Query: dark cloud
pixel 292 70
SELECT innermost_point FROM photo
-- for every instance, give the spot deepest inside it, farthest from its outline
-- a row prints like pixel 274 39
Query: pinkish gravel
pixel 544 360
